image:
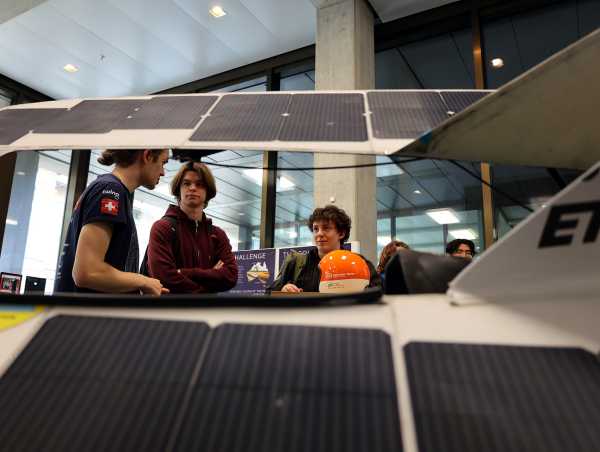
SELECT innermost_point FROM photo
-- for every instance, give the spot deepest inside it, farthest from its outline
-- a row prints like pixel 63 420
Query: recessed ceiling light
pixel 70 68
pixel 417 192
pixel 12 222
pixel 21 173
pixel 292 234
pixel 217 11
pixel 497 63
pixel 468 234
pixel 443 216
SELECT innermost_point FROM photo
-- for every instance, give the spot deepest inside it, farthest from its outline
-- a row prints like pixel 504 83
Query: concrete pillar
pixel 345 60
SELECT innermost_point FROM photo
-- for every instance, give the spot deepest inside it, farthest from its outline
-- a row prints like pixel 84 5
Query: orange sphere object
pixel 343 271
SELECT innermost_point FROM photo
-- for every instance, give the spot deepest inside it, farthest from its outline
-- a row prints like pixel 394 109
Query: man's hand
pixel 289 287
pixel 219 265
pixel 152 286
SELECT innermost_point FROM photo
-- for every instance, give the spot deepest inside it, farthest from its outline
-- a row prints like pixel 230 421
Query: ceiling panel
pixel 393 9
pixel 275 16
pixel 132 47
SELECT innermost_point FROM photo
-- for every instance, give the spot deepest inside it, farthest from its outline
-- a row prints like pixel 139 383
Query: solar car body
pixel 505 360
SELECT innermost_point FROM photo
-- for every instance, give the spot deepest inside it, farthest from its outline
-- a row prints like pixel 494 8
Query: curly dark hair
pixel 334 214
pixel 124 157
pixel 388 251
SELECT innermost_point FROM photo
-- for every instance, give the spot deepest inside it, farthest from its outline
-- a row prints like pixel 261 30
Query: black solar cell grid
pixel 112 349
pixel 473 398
pixel 325 117
pixel 18 122
pixel 300 358
pixel 97 383
pixel 169 112
pixel 92 116
pixel 244 117
pixel 274 387
pixel 403 115
pixel 457 101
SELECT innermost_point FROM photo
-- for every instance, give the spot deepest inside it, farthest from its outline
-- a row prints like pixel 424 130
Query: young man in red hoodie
pixel 186 252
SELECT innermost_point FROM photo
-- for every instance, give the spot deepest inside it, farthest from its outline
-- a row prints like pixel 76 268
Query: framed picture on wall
pixel 10 283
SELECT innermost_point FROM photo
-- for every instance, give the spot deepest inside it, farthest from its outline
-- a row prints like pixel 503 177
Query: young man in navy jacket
pixel 186 252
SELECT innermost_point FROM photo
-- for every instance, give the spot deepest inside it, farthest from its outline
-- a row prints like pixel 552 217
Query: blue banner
pixel 256 271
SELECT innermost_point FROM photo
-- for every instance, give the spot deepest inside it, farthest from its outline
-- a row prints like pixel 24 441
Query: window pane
pixel 32 236
pixel 294 200
pixel 237 206
pixel 407 193
pixel 532 187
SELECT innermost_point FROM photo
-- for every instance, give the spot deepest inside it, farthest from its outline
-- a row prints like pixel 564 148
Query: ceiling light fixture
pixel 417 192
pixel 443 216
pixel 217 11
pixel 468 234
pixel 497 63
pixel 70 68
pixel 12 222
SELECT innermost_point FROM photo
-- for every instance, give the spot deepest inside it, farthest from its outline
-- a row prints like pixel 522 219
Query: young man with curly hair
pixel 330 227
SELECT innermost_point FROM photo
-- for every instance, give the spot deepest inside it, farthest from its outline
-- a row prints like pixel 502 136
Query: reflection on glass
pixel 294 200
pixel 427 204
pixel 32 235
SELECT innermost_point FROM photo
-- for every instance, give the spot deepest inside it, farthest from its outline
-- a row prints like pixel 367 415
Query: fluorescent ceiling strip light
pixel 443 216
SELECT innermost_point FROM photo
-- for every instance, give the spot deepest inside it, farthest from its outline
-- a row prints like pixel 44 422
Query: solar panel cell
pixel 244 117
pixel 169 112
pixel 325 117
pixel 16 123
pixel 405 114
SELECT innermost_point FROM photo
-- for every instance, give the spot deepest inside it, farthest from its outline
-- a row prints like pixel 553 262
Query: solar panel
pixel 268 388
pixel 168 112
pixel 325 117
pixel 16 123
pixel 92 116
pixel 405 114
pixel 457 101
pixel 472 398
pixel 244 117
pixel 98 383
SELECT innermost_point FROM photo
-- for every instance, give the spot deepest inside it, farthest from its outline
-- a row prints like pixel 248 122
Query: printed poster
pixel 256 271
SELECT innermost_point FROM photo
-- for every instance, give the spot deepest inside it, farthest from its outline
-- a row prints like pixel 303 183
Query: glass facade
pixel 408 193
pixel 294 199
pixel 31 241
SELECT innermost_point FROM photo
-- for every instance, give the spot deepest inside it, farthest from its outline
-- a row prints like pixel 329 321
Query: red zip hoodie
pixel 189 269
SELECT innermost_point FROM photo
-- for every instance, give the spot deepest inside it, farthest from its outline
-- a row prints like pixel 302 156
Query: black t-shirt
pixel 106 200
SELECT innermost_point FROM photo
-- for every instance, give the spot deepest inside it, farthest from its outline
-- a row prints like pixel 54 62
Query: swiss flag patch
pixel 109 206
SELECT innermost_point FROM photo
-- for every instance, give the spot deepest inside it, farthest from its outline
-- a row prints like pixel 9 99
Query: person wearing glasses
pixel 461 248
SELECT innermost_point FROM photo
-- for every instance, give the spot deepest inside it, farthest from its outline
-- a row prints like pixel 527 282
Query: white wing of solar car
pixel 494 365
pixel 546 117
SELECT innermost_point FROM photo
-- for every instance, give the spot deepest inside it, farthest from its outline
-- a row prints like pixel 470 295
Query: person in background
pixel 461 248
pixel 101 250
pixel 330 227
pixel 186 251
pixel 388 251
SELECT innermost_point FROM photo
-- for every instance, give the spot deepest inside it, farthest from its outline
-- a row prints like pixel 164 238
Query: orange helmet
pixel 343 271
